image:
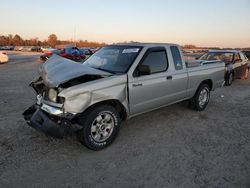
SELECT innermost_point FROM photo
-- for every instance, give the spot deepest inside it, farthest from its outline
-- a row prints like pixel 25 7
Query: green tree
pixel 17 40
pixel 10 36
pixel 4 40
pixel 34 41
pixel 52 40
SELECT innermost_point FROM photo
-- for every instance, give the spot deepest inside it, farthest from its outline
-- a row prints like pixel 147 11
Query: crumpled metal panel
pixel 57 70
pixel 78 98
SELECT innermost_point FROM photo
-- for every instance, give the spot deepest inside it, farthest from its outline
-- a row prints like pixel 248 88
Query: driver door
pixel 149 88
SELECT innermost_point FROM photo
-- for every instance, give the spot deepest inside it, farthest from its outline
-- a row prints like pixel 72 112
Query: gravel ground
pixel 171 147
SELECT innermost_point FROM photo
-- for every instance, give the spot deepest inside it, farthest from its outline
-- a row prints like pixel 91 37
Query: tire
pixel 246 74
pixel 201 98
pixel 229 79
pixel 101 126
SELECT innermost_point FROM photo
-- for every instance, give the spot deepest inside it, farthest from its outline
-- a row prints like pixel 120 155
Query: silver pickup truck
pixel 117 83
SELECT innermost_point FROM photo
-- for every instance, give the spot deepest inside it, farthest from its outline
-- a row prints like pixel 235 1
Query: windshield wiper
pixel 112 72
pixel 109 71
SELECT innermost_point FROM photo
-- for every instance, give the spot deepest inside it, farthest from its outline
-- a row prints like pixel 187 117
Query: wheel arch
pixel 111 102
pixel 209 82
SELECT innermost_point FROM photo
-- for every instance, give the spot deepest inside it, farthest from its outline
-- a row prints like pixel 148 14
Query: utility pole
pixel 75 34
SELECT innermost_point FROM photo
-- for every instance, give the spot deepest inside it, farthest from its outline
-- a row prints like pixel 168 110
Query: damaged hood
pixel 58 70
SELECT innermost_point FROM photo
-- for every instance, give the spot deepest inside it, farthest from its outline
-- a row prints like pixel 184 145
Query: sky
pixel 222 23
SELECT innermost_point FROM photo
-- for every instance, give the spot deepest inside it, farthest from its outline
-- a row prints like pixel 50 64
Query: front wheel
pixel 201 98
pixel 101 126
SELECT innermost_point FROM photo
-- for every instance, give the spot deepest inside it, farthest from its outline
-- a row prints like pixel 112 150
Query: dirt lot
pixel 171 147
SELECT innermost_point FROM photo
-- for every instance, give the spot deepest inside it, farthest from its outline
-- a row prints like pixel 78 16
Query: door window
pixel 156 61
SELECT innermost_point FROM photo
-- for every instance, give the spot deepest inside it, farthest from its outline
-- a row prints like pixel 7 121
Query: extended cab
pixel 114 84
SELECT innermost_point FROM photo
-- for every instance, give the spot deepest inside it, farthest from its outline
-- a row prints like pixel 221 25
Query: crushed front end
pixel 61 96
pixel 47 115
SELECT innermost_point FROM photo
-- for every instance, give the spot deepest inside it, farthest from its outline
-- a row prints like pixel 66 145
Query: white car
pixel 3 57
pixel 46 49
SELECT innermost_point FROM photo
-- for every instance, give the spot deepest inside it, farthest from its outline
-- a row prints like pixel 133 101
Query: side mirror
pixel 143 70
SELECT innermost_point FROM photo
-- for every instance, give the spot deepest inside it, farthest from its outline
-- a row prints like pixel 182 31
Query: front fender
pixel 79 98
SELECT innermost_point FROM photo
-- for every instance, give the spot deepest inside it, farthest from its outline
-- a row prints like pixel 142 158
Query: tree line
pixel 52 41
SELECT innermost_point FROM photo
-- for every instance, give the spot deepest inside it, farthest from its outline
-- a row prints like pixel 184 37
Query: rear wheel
pixel 100 127
pixel 229 79
pixel 201 98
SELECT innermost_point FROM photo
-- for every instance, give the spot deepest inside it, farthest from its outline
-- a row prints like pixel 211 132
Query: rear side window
pixel 157 61
pixel 176 57
pixel 242 56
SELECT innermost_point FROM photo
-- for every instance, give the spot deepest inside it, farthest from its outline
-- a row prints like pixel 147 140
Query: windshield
pixel 114 59
pixel 223 56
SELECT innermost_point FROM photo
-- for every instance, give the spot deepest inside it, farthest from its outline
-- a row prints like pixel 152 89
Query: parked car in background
pixel 72 53
pixel 36 49
pixel 86 51
pixel 26 49
pixel 46 48
pixel 48 53
pixel 7 47
pixel 114 84
pixel 237 64
pixel 18 48
pixel 3 57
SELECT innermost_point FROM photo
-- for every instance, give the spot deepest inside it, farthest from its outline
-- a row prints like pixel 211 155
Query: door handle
pixel 137 85
pixel 169 77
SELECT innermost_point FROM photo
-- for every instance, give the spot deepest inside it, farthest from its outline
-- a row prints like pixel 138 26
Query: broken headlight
pixel 52 95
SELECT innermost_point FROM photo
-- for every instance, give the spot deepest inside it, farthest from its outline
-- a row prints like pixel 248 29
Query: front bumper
pixel 52 108
pixel 56 127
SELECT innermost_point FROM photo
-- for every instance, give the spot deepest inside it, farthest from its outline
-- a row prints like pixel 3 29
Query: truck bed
pixel 197 63
pixel 198 71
